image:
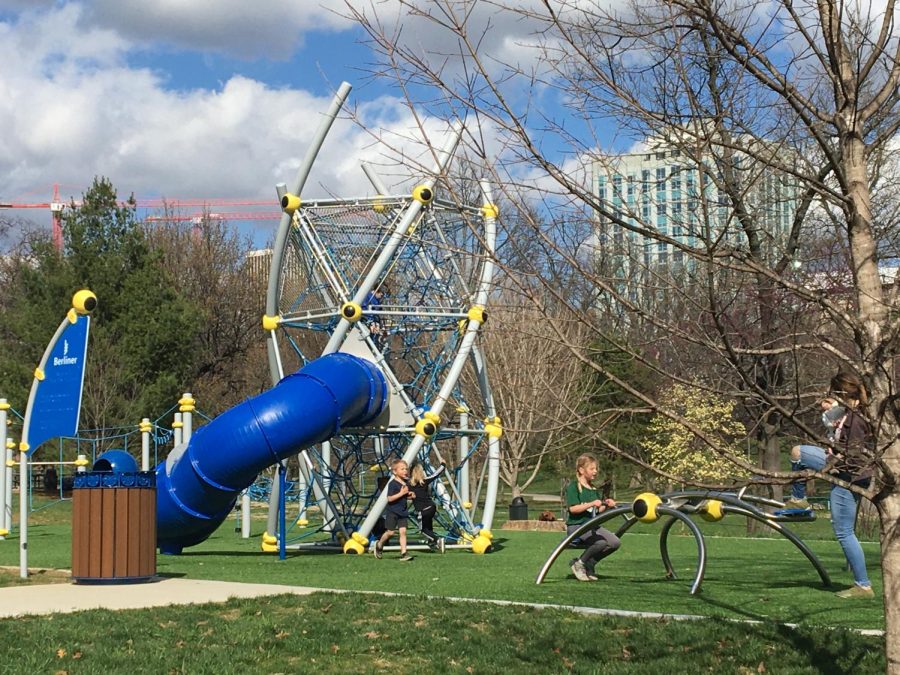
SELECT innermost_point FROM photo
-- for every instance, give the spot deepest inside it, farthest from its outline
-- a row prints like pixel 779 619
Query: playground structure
pixel 678 507
pixel 378 302
pixel 401 281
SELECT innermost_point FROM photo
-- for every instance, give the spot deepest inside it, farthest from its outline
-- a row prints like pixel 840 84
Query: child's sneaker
pixel 405 557
pixel 796 504
pixel 579 570
pixel 378 550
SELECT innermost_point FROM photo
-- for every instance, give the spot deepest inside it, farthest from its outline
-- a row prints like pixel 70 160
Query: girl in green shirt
pixel 584 502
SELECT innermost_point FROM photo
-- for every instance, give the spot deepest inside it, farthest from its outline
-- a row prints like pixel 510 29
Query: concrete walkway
pixel 68 597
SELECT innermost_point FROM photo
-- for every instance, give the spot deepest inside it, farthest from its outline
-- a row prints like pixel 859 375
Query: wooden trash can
pixel 114 527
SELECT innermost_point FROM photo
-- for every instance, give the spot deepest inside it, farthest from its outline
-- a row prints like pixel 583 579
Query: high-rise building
pixel 663 191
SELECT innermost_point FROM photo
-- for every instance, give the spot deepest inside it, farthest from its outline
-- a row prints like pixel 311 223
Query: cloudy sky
pixel 186 99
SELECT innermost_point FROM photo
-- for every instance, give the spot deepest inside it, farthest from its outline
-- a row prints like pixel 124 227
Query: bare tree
pixel 540 389
pixel 207 260
pixel 742 95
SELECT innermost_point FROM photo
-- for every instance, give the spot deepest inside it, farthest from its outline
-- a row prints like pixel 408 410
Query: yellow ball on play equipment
pixel 644 507
pixel 712 511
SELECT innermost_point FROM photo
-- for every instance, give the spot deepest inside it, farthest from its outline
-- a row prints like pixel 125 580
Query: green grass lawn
pixel 764 579
pixel 354 633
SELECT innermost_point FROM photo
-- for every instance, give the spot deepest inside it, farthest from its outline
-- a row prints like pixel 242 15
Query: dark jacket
pixel 854 449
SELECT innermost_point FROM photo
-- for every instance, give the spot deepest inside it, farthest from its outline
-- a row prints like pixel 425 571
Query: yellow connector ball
pixel 425 427
pixel 478 314
pixel 423 194
pixel 644 507
pixel 357 537
pixel 290 203
pixel 713 511
pixel 379 206
pixel 269 539
pixel 352 546
pixel 482 543
pixel 351 311
pixel 467 505
pixel 270 322
pixel 490 210
pixel 268 548
pixel 3 533
pixel 302 522
pixel 84 302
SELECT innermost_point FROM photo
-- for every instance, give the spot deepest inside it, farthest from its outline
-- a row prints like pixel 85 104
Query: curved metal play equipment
pixel 400 280
pixel 679 507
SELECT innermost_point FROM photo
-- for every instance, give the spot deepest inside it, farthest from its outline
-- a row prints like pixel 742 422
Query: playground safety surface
pixel 64 598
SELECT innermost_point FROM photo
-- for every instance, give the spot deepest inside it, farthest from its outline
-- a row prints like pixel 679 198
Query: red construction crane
pixel 174 206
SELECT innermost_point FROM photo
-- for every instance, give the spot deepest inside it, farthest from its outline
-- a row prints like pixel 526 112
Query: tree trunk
pixel 889 512
pixel 772 457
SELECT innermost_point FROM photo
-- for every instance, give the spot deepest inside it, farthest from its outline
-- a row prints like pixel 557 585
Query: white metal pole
pixel 177 427
pixel 463 454
pixel 7 507
pixel 4 406
pixel 145 444
pixel 23 514
pixel 186 404
pixel 245 515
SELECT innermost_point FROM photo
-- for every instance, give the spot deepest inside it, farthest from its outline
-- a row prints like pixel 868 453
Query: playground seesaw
pixel 710 505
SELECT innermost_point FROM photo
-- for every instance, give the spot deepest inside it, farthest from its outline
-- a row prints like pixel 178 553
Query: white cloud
pixel 270 29
pixel 72 108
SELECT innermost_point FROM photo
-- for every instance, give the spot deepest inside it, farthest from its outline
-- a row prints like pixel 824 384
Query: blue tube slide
pixel 198 484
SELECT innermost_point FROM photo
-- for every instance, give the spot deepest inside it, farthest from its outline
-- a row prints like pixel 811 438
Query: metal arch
pixel 675 514
pixel 787 534
pixel 590 524
pixel 745 506
pixel 731 504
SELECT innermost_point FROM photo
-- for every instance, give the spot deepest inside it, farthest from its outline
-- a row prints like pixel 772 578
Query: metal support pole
pixel 4 406
pixel 23 514
pixel 245 515
pixel 178 429
pixel 145 443
pixel 463 463
pixel 186 407
pixel 7 507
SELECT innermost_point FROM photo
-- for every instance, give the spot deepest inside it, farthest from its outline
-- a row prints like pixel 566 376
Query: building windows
pixel 676 200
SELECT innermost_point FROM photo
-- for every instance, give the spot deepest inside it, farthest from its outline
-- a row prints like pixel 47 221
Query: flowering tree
pixel 677 451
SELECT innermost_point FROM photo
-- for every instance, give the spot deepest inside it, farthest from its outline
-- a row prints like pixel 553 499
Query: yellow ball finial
pixel 84 302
